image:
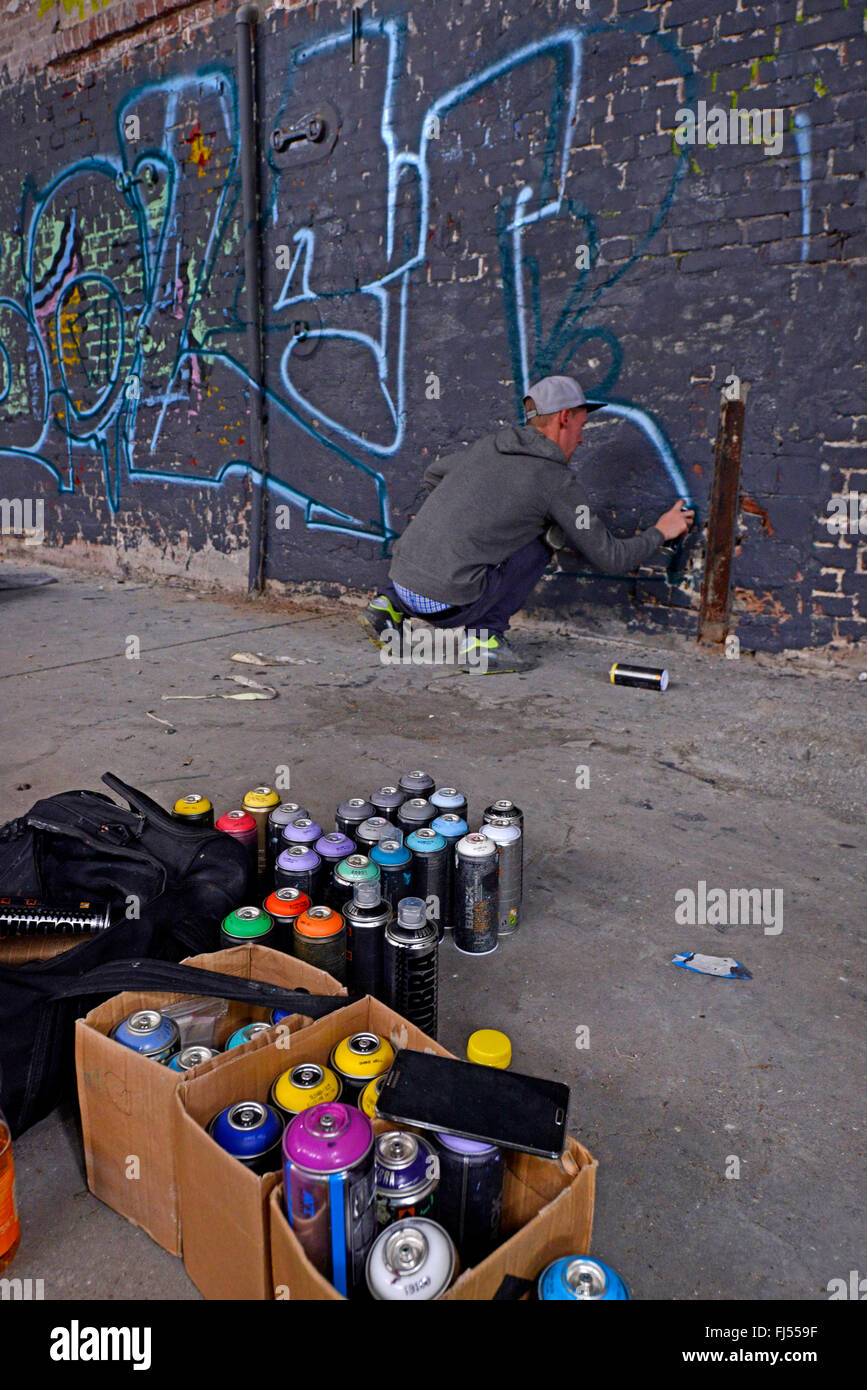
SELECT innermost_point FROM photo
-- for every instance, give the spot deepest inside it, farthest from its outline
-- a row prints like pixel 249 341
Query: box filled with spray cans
pixel 127 1102
pixel 224 1202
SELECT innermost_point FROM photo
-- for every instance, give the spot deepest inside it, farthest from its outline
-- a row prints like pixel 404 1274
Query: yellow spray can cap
pixel 490 1048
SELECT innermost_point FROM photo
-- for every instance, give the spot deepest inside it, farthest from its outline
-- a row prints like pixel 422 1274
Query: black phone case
pixel 509 1109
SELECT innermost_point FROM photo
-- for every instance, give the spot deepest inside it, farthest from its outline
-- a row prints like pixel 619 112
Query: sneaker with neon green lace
pixel 379 616
pixel 489 654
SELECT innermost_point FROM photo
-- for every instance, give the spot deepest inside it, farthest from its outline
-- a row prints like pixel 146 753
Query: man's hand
pixel 675 522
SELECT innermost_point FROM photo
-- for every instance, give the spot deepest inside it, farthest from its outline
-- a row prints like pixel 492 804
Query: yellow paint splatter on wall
pixel 200 153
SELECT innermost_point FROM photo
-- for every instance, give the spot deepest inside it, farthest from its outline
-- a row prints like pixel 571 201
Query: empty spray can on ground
pixel 350 814
pixel 259 803
pixel 355 868
pixel 299 867
pixel 283 906
pixel 506 835
pixel 242 827
pixel 449 799
pixel 643 677
pixel 416 783
pixel 412 965
pixel 329 1189
pixel 301 831
pixel 371 831
pixel 476 895
pixel 414 813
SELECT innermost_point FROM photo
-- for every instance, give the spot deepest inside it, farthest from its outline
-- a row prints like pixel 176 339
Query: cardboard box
pixel 226 1223
pixel 547 1212
pixel 128 1111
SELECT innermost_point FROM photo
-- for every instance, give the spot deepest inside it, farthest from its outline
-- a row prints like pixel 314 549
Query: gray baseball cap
pixel 555 393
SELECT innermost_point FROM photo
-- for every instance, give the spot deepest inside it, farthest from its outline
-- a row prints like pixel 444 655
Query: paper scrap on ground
pixel 170 728
pixel 254 692
pixel 723 966
pixel 257 659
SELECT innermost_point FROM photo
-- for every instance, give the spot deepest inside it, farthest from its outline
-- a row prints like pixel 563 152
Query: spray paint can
pixel 412 965
pixel 366 918
pixel 299 867
pixel 251 1132
pixel 332 848
pixel 394 862
pixel 357 1060
pixel 278 819
pixel 430 878
pixel 406 1174
pixel 328 1181
pixel 644 677
pixel 476 895
pixel 507 836
pixel 259 803
pixel 351 813
pixel 453 828
pixel 470 1194
pixel 245 1035
pixel 411 1262
pixel 370 1095
pixel 300 831
pixel 149 1033
pixel 416 783
pixel 449 799
pixel 355 868
pixel 388 801
pixel 302 1086
pixel 193 810
pixel 415 813
pixel 506 810
pixel 247 926
pixel 244 830
pixel 283 906
pixel 319 938
pixel 578 1279
pixel 190 1057
pixel 371 831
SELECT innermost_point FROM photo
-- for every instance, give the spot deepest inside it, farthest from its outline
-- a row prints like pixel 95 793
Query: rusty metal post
pixel 722 524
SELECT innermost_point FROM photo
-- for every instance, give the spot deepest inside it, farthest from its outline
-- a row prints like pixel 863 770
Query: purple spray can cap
pixel 459 1145
pixel 334 847
pixel 328 1137
pixel 298 859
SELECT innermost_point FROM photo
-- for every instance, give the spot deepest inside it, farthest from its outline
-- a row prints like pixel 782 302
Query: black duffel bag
pixel 167 885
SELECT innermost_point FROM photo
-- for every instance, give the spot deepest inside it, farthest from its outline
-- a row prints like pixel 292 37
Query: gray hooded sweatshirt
pixel 493 498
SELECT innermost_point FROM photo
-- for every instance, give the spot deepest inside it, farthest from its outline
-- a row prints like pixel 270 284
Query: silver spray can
pixel 412 965
pixel 507 836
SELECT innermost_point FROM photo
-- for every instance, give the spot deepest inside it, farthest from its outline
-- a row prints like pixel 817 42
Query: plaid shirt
pixel 418 602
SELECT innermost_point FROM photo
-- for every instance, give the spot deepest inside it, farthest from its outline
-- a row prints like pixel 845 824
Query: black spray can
pixel 507 810
pixel 388 801
pixel 416 783
pixel 476 895
pixel 430 878
pixel 371 831
pixel 412 965
pixel 394 862
pixel 366 918
pixel 470 1194
pixel 453 828
pixel 507 836
pixel 415 813
pixel 351 813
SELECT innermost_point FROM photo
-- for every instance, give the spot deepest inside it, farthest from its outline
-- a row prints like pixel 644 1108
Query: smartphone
pixel 476 1102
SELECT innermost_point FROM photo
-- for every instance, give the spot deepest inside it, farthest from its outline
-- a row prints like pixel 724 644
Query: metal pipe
pixel 722 524
pixel 246 19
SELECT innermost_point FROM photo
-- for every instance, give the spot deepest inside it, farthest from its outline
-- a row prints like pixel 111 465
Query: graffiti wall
pixel 457 199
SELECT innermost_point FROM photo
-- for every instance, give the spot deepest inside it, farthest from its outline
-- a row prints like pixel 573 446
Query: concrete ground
pixel 746 773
